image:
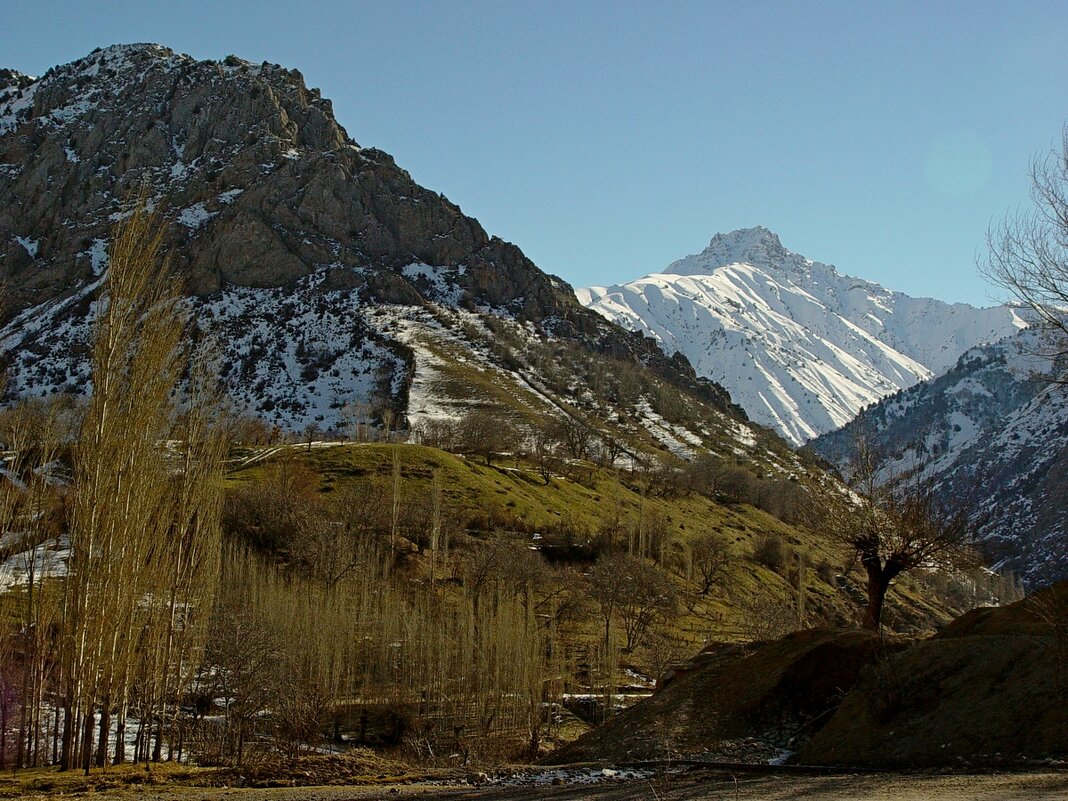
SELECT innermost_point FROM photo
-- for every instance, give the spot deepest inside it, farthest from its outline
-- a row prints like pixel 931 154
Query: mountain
pixel 991 434
pixel 799 346
pixel 334 286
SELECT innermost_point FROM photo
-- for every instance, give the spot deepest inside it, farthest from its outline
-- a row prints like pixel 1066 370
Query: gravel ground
pixel 694 785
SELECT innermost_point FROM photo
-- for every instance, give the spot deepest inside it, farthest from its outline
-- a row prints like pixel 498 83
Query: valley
pixel 314 488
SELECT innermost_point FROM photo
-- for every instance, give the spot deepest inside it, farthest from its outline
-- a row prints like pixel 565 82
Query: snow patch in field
pixel 298 357
pixel 570 776
pixel 439 280
pixel 98 256
pixel 30 245
pixel 675 438
pixel 46 560
pixel 195 216
pixel 15 110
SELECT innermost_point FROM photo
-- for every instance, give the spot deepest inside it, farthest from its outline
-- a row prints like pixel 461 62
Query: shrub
pixel 769 551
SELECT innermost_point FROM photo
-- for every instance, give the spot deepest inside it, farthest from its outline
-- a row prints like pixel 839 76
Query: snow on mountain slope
pixel 991 435
pixel 331 286
pixel 799 346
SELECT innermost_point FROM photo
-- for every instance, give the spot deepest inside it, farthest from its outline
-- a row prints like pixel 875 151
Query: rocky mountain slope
pixel 800 347
pixel 992 435
pixel 334 286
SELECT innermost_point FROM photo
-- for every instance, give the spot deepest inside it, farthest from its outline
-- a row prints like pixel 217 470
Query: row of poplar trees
pixel 133 488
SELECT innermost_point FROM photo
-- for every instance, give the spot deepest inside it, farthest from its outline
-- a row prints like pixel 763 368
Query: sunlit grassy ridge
pixel 510 499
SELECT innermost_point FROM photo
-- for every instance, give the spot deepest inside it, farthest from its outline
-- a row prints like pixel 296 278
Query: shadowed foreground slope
pixel 741 703
pixel 987 690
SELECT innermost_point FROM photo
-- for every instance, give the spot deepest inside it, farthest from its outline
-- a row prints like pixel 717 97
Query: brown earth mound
pixel 1041 614
pixel 991 688
pixel 735 702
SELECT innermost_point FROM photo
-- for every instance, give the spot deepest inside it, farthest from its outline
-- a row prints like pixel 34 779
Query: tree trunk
pixel 55 736
pixel 66 760
pixel 139 739
pixel 20 755
pixel 873 614
pixel 879 578
pixel 102 742
pixel 3 738
pixel 120 736
pixel 87 739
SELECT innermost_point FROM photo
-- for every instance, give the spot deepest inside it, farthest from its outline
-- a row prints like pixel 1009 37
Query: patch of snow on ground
pixel 666 433
pixel 11 111
pixel 445 290
pixel 195 216
pixel 48 560
pixel 425 400
pixel 566 776
pixel 98 256
pixel 781 758
pixel 29 244
pixel 297 356
pixel 742 434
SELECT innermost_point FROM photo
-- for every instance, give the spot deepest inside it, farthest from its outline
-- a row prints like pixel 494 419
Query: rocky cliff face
pixel 285 231
pixel 252 166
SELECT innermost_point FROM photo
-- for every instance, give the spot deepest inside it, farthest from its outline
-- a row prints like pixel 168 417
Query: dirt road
pixel 1047 786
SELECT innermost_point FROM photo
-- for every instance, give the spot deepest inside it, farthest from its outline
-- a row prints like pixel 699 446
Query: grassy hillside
pixel 573 518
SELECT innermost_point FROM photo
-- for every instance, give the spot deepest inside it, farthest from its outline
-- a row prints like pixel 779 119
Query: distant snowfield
pixel 800 347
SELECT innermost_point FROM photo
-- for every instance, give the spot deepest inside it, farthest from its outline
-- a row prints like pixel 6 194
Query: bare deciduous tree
pixel 1028 252
pixel 487 433
pixel 710 553
pixel 574 434
pixel 544 452
pixel 895 524
pixel 635 590
pixel 143 515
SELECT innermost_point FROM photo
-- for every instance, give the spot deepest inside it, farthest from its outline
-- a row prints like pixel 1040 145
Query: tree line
pixel 128 486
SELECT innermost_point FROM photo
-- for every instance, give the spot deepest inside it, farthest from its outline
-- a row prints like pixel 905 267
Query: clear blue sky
pixel 608 139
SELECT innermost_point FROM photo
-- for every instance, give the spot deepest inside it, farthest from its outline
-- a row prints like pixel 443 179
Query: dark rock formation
pixel 262 189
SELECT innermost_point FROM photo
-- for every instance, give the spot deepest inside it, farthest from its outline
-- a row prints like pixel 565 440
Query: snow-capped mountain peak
pixel 756 246
pixel 800 346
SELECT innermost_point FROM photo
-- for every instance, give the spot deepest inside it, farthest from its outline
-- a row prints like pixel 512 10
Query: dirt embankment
pixel 991 689
pixel 738 703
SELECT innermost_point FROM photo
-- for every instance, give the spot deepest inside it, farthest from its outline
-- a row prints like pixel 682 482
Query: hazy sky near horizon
pixel 609 139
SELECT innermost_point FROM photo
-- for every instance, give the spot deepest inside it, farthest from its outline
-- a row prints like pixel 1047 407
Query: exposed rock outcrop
pixel 263 191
